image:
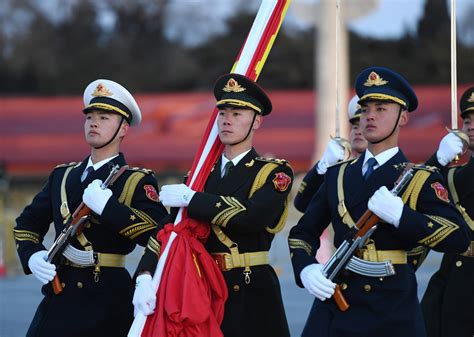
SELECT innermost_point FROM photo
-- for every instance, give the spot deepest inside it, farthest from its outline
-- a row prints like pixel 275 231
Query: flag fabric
pixel 191 289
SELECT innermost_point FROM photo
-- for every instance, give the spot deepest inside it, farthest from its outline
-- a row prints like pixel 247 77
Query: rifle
pixel 75 225
pixel 366 226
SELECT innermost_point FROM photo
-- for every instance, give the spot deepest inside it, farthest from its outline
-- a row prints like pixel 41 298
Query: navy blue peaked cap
pixel 467 102
pixel 383 84
pixel 240 91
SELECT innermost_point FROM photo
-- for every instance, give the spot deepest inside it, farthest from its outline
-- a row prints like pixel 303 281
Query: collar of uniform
pixel 235 161
pixel 99 164
pixel 381 158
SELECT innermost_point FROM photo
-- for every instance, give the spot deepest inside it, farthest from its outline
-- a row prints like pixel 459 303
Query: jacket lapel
pixel 385 175
pixel 214 179
pixel 238 176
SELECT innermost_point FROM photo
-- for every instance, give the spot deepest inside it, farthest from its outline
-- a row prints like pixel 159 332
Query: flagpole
pixel 250 63
pixel 343 142
pixel 454 84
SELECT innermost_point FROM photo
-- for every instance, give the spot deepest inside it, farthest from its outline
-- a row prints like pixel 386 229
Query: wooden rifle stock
pixel 77 223
pixel 81 211
pixel 365 223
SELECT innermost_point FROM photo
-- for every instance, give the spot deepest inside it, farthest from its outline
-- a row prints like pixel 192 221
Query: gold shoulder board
pixel 73 163
pixel 272 160
pixel 141 169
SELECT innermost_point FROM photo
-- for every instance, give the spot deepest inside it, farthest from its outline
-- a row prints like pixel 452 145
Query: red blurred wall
pixel 38 133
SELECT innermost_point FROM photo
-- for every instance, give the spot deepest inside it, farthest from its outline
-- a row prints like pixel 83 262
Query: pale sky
pixel 391 18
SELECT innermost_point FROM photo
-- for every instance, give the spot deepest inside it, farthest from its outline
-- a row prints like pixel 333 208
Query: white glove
pixel 386 206
pixel 334 152
pixel 42 269
pixel 95 197
pixel 144 298
pixel 176 195
pixel 450 146
pixel 316 282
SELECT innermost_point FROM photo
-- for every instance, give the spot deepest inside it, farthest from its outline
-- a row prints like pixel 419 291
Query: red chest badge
pixel 441 192
pixel 151 193
pixel 281 181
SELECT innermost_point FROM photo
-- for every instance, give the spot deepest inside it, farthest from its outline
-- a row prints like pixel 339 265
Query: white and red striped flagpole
pixel 249 62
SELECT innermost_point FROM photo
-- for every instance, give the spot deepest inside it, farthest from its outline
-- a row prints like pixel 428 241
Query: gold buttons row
pixel 367 287
pixel 80 285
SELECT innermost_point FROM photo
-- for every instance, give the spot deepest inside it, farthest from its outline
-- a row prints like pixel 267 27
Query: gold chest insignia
pixel 250 163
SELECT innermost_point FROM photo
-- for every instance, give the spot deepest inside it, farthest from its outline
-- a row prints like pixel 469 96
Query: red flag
pixel 191 289
pixel 192 292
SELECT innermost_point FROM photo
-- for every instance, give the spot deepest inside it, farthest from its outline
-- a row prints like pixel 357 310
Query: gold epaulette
pixel 350 160
pixel 424 167
pixel 141 169
pixel 73 163
pixel 272 160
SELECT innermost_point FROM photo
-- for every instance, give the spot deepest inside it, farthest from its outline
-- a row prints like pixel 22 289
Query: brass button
pixel 343 286
pixel 458 263
pixel 415 262
pixel 367 287
pixel 236 287
pixel 80 285
pixel 63 284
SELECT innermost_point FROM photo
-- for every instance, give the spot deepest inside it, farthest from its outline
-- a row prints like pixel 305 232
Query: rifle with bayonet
pixel 365 227
pixel 75 225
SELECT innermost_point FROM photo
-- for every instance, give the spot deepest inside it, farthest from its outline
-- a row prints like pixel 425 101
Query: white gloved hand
pixel 95 197
pixel 450 146
pixel 144 298
pixel 316 283
pixel 176 195
pixel 42 269
pixel 334 152
pixel 386 206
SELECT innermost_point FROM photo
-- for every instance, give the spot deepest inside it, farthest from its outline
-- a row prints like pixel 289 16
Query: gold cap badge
pixel 101 90
pixel 374 79
pixel 471 99
pixel 233 86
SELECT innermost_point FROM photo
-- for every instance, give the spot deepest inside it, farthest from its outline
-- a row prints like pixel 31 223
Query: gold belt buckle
pixel 223 260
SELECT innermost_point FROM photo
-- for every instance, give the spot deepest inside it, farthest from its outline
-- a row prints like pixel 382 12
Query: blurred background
pixel 168 53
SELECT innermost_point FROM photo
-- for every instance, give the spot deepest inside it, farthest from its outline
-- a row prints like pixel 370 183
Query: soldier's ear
pixel 258 122
pixel 124 129
pixel 404 118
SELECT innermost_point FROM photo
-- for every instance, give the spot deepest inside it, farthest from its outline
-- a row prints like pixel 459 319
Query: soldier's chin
pixel 225 140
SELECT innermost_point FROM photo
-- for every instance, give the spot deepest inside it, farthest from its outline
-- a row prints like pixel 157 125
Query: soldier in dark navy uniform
pixel 96 299
pixel 245 201
pixel 448 303
pixel 384 305
pixel 334 153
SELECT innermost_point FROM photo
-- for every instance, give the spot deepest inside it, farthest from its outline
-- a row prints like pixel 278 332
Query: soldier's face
pixel 378 119
pixel 234 124
pixel 468 128
pixel 358 141
pixel 100 126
